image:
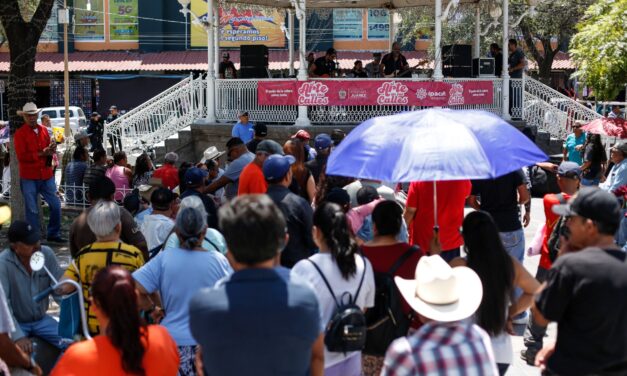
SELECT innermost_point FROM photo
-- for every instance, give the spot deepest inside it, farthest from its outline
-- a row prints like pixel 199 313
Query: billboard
pixel 347 24
pixel 123 25
pixel 378 24
pixel 89 24
pixel 239 25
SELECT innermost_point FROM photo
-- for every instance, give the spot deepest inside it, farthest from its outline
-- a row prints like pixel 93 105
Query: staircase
pixel 552 114
pixel 162 122
pixel 161 117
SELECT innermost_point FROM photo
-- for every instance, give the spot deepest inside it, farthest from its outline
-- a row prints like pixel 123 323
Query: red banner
pixel 373 92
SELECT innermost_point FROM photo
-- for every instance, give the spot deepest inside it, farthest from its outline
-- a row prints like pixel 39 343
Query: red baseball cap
pixel 302 135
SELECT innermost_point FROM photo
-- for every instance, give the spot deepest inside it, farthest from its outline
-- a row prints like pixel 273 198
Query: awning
pixel 390 4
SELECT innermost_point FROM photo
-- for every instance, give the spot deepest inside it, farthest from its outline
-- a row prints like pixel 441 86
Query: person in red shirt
pixel 568 180
pixel 451 198
pixel 35 151
pixel 251 180
pixel 168 173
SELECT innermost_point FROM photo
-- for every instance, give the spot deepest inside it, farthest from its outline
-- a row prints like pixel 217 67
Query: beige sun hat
pixel 442 293
pixel 29 108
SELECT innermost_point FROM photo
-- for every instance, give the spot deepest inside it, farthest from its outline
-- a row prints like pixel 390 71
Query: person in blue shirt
pixel 260 320
pixel 574 144
pixel 243 128
pixel 617 176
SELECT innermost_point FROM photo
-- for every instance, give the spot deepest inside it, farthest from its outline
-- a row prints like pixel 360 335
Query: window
pixel 51 113
pixel 123 25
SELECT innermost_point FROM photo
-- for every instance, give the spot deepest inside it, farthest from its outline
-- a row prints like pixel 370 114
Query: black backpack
pixel 553 243
pixel 386 320
pixel 346 331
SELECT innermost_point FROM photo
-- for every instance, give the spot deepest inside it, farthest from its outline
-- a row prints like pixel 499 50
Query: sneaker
pixel 57 239
pixel 529 356
pixel 520 319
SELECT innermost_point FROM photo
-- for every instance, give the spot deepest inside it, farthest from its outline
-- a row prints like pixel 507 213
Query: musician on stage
pixel 324 66
pixel 394 64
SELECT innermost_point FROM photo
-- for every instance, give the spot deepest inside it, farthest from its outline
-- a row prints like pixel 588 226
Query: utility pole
pixel 66 76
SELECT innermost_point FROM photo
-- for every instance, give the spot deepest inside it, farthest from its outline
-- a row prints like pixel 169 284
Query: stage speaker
pixel 459 55
pixel 252 55
pixel 457 72
pixel 253 72
pixel 482 67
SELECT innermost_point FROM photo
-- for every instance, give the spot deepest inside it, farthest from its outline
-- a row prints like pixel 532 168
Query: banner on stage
pixel 373 93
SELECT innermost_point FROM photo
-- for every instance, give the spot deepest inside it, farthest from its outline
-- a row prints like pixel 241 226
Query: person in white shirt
pixel 616 113
pixel 158 225
pixel 347 273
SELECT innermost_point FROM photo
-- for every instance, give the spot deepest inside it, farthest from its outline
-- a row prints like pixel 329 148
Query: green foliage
pixel 600 48
pixel 27 8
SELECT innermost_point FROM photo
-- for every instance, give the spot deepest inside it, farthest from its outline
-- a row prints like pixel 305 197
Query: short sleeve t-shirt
pixel 252 181
pixel 585 294
pixel 499 197
pixel 233 171
pixel 99 357
pixel 245 132
pixel 332 273
pixel 594 171
pixel 514 59
pixel 571 143
pixel 156 227
pixel 98 256
pixel 178 274
pixel 451 200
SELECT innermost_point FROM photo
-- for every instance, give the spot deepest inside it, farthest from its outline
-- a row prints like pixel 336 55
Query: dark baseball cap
pixel 339 196
pixel 261 130
pixel 592 203
pixel 195 176
pixel 270 147
pixel 569 170
pixel 23 232
pixel 323 141
pixel 276 167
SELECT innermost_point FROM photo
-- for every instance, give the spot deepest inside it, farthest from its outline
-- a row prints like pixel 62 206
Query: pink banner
pixel 373 92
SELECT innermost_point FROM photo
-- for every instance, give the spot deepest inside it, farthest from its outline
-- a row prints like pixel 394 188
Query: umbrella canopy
pixel 431 145
pixel 607 126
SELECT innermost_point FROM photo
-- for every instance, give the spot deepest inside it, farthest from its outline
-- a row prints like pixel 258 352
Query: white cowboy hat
pixel 442 293
pixel 211 153
pixel 29 108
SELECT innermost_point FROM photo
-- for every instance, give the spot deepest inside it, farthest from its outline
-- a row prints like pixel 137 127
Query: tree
pixel 22 31
pixel 553 24
pixel 600 49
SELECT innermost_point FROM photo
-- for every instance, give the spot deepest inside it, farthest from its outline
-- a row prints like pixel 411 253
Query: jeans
pixel 534 334
pixel 46 329
pixel 514 243
pixel 590 182
pixel 31 189
pixel 449 254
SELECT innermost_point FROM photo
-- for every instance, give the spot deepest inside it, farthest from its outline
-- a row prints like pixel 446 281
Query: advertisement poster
pixel 89 24
pixel 239 26
pixel 123 25
pixel 347 24
pixel 374 93
pixel 378 24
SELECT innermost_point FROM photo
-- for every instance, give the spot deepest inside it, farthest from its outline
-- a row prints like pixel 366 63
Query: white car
pixel 57 117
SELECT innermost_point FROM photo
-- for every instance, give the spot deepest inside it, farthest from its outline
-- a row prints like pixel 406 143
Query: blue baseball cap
pixel 322 141
pixel 195 176
pixel 277 166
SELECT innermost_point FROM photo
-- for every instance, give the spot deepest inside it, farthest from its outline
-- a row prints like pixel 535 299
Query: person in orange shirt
pixel 168 173
pixel 129 346
pixel 252 181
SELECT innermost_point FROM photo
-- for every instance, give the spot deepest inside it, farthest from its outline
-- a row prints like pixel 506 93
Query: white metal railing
pixel 160 117
pixel 551 111
pixel 235 95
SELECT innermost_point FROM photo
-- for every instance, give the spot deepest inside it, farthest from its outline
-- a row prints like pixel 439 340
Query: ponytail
pixel 113 291
pixel 333 224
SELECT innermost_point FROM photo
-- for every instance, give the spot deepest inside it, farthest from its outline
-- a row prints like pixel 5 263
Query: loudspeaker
pixel 457 72
pixel 483 67
pixel 252 55
pixel 459 55
pixel 253 72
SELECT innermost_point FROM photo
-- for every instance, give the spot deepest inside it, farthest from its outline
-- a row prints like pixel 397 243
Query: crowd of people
pixel 267 265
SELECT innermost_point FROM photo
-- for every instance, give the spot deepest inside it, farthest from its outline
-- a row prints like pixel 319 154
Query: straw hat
pixel 5 214
pixel 442 293
pixel 29 108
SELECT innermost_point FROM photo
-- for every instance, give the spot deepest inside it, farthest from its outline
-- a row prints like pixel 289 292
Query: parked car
pixel 78 120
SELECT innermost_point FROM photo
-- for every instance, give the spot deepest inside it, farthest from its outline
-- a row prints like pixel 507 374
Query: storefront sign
pixel 123 25
pixel 378 24
pixel 89 24
pixel 239 25
pixel 347 24
pixel 375 92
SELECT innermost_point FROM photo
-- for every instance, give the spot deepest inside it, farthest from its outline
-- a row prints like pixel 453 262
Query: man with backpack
pixel 568 179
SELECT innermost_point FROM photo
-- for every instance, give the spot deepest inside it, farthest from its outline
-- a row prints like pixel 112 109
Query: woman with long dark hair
pixel 143 170
pixel 340 264
pixel 500 273
pixel 303 183
pixel 177 274
pixel 594 161
pixel 127 345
